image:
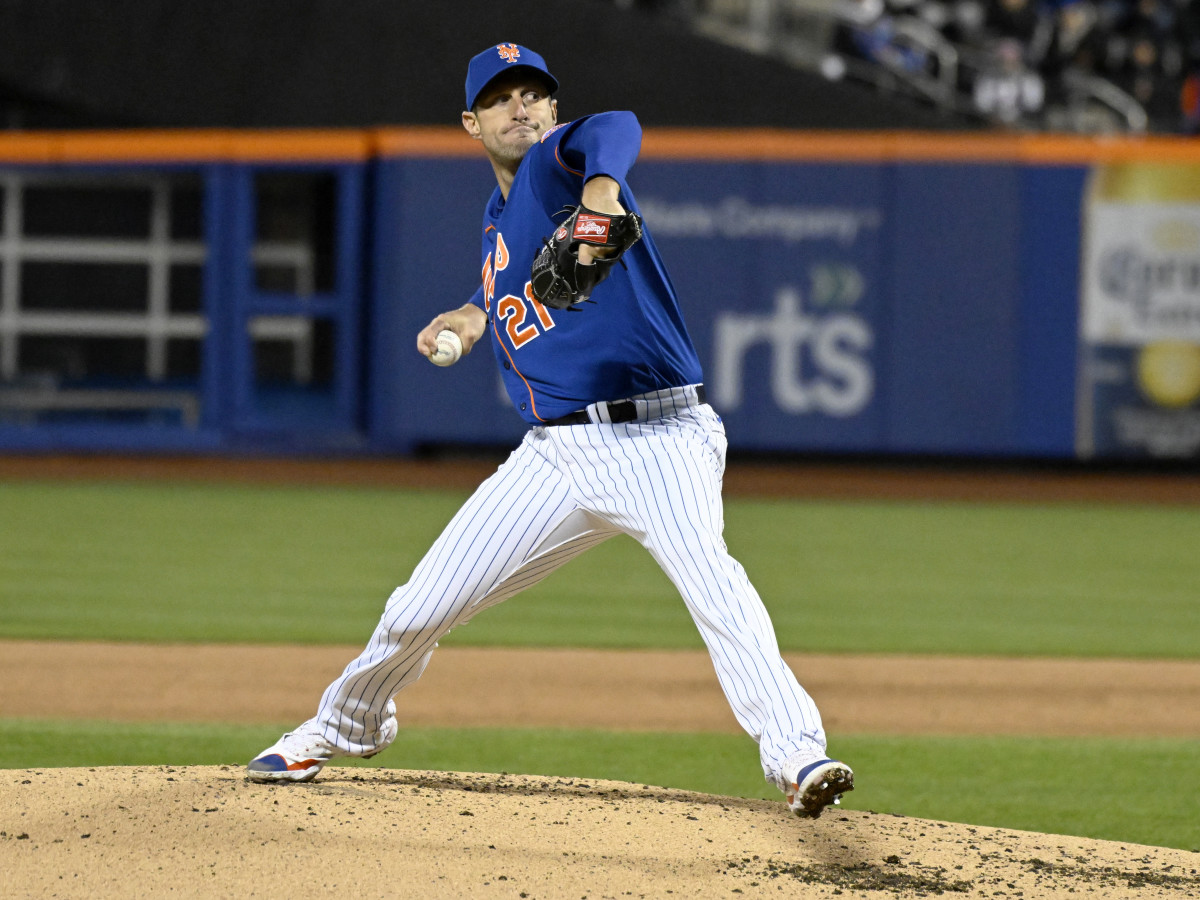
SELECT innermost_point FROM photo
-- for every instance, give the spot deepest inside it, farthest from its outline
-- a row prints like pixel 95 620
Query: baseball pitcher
pixel 587 330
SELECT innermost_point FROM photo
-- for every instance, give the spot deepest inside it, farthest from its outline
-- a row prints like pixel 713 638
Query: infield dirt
pixel 206 832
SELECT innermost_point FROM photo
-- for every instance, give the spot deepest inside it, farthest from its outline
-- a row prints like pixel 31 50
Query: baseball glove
pixel 558 279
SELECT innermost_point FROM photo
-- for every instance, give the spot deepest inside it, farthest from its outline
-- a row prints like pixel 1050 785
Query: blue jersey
pixel 632 338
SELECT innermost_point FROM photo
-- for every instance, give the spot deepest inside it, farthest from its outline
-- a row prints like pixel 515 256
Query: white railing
pixel 156 324
pixel 802 33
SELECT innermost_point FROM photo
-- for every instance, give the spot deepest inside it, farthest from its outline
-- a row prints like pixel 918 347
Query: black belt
pixel 618 411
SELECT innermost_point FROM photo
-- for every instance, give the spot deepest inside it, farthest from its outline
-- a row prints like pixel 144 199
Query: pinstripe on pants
pixel 563 490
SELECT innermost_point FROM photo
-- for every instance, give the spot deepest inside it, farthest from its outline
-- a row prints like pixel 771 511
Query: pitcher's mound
pixel 204 831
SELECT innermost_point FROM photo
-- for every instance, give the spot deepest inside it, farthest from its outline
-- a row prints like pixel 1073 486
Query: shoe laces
pixel 793 765
pixel 306 738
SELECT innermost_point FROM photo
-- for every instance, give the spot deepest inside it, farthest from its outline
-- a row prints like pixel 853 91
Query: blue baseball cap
pixel 502 58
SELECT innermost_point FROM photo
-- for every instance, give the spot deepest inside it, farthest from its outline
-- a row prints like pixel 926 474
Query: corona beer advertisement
pixel 1139 371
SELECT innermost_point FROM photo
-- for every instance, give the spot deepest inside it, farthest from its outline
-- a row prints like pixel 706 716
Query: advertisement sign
pixel 835 308
pixel 776 268
pixel 1139 373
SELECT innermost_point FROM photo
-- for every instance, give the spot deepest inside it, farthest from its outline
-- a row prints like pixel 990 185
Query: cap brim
pixel 541 74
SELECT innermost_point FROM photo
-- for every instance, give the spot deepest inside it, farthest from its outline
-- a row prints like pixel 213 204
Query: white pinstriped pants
pixel 563 490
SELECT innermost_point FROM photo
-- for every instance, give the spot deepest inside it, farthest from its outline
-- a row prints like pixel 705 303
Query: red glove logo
pixel 592 229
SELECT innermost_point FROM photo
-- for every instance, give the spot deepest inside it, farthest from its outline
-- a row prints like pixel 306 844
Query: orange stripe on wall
pixel 293 146
pixel 781 145
pixel 217 145
pixel 754 144
pixel 915 147
pixel 426 140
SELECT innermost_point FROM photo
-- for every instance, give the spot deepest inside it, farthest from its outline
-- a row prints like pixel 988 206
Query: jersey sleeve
pixel 602 144
pixel 477 298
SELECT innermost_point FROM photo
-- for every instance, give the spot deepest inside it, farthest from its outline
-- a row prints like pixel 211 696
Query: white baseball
pixel 449 349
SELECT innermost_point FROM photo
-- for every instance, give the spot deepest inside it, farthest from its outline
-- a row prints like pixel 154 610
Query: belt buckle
pixel 621 411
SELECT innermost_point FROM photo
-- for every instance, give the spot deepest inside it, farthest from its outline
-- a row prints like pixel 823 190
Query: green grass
pixel 206 563
pixel 1132 791
pixel 161 562
pixel 305 565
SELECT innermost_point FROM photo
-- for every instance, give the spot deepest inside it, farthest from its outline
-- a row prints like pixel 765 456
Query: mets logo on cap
pixel 504 57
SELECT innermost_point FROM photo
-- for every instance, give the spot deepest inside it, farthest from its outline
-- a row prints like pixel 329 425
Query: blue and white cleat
pixel 812 783
pixel 297 756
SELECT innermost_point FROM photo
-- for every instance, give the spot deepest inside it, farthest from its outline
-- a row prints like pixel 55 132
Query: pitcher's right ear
pixel 471 124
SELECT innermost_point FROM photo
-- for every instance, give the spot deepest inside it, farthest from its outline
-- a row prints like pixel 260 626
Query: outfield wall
pixel 884 294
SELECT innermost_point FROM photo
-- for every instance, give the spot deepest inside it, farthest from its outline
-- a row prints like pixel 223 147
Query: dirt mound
pixel 206 832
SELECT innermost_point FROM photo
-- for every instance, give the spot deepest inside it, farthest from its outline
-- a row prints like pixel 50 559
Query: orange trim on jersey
pixel 564 165
pixel 512 362
pixel 488 279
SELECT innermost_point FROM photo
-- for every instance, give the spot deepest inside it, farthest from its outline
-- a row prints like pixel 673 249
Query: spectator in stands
pixel 966 23
pixel 879 42
pixel 1073 23
pixel 1188 12
pixel 1152 73
pixel 1029 22
pixel 1142 50
pixel 1189 28
pixel 1189 102
pixel 1007 90
pixel 1032 62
